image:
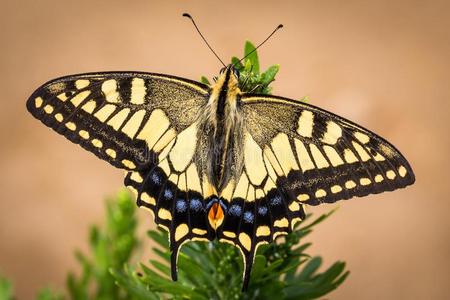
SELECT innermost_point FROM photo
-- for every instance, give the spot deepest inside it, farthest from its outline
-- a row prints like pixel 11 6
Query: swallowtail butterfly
pixel 213 162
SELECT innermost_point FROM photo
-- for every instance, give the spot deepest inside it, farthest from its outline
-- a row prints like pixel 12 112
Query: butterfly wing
pixel 297 154
pixel 143 123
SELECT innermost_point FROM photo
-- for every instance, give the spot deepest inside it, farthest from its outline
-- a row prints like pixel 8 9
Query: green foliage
pixel 206 270
pixel 213 270
pixel 110 248
pixel 250 79
pixel 6 290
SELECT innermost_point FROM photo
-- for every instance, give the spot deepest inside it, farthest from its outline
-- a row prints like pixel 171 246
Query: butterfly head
pixel 229 78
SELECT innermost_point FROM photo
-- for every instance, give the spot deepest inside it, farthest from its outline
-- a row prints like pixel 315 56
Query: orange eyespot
pixel 215 215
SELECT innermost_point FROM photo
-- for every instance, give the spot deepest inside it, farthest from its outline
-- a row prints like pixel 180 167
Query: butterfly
pixel 215 162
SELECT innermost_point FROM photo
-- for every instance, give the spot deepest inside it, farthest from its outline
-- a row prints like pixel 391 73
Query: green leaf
pixel 253 57
pixel 6 290
pixel 269 75
pixel 204 80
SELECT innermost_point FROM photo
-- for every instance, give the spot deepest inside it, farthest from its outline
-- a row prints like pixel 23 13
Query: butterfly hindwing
pixel 316 156
pixel 257 210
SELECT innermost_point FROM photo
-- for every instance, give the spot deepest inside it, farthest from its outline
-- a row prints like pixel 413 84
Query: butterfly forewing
pixel 316 156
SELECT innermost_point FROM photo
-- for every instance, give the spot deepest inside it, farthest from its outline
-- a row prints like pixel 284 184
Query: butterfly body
pixel 214 162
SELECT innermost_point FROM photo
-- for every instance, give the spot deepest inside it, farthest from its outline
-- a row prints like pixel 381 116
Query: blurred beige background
pixel 383 64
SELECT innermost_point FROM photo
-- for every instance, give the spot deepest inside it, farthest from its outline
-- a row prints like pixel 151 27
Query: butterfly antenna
pixel 262 43
pixel 198 30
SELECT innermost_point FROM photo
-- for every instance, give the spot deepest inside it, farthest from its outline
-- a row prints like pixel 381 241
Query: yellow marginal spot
pixel 272 163
pixel 320 160
pixel 38 102
pixel 365 181
pixel 184 149
pixel 305 123
pixel 71 126
pixel 349 156
pixel 227 192
pixel 277 234
pixel 164 214
pixel 84 134
pixel 363 138
pixel 131 127
pixel 181 231
pixel 118 119
pixel 193 179
pixel 362 153
pixel 283 152
pixel 112 153
pixel 227 242
pixel 379 178
pixel 295 221
pixel 138 91
pixel 320 193
pixel 59 117
pixel 294 206
pixel 250 194
pixel 89 106
pixel 165 140
pixel 336 189
pixel 109 89
pixel 97 143
pixel 79 97
pixel 263 231
pixel 303 156
pixel 350 184
pixel 303 197
pixel 136 177
pixel 48 109
pixel 229 234
pixel 242 187
pixel 81 83
pixel 128 163
pixel 333 156
pixel 103 113
pixel 155 127
pixel 332 133
pixel 245 241
pixel 281 223
pixel 390 174
pixel 402 171
pixel 199 231
pixel 253 160
pixel 148 199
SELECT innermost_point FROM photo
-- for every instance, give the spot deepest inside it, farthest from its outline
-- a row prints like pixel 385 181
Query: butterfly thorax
pixel 222 128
